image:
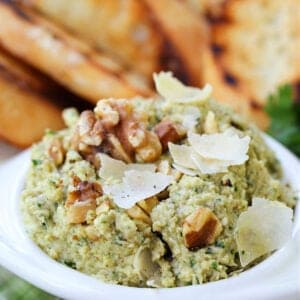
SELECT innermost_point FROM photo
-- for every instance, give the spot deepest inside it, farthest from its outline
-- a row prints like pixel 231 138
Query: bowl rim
pixel 39 271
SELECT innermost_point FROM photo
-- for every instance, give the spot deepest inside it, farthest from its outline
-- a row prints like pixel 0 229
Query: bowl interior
pixel 20 255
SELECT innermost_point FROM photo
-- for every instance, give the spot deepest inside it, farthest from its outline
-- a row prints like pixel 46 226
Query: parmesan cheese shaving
pixel 137 186
pixel 188 162
pixel 210 153
pixel 182 155
pixel 221 146
pixel 263 228
pixel 186 171
pixel 113 168
pixel 190 117
pixel 173 90
pixel 209 166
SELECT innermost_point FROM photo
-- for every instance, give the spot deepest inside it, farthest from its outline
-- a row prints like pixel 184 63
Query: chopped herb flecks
pixel 214 265
pixel 192 262
pixel 70 264
pixel 220 244
pixel 50 132
pixel 209 250
pixel 36 162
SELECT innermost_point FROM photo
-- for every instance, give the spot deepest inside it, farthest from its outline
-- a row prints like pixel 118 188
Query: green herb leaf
pixel 285 118
pixel 214 265
pixel 36 162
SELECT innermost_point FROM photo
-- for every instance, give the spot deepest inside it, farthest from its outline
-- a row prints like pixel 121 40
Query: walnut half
pixel 201 228
pixel 118 130
pixel 167 131
pixel 142 210
pixel 81 200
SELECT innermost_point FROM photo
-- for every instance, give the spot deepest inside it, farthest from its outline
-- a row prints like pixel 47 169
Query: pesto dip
pixel 70 216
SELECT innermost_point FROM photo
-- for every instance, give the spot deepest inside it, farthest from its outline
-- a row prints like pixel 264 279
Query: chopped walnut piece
pixel 57 152
pixel 90 130
pixel 148 204
pixel 93 159
pixel 201 228
pixel 131 131
pixel 151 150
pixel 77 212
pixel 168 131
pixel 83 191
pixel 142 210
pixel 81 200
pixel 210 123
pixel 117 150
pixel 137 137
pixel 139 214
pixel 117 129
pixel 106 113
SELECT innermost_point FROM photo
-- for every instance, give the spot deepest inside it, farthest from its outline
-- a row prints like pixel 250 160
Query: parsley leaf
pixel 285 118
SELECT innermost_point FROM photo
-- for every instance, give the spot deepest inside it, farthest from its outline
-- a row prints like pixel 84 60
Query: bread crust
pixel 190 34
pixel 64 58
pixel 123 28
pixel 259 42
pixel 25 110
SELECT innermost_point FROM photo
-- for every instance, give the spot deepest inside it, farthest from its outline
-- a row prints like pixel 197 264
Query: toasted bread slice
pixel 25 111
pixel 74 65
pixel 122 28
pixel 24 115
pixel 37 81
pixel 211 8
pixel 259 41
pixel 231 94
pixel 190 35
pixel 7 62
pixel 187 35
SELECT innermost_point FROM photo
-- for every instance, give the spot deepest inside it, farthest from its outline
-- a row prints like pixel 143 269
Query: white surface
pixel 276 278
pixel 7 151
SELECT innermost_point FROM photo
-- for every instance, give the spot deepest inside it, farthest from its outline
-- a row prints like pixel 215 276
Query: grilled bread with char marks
pixel 26 107
pixel 73 64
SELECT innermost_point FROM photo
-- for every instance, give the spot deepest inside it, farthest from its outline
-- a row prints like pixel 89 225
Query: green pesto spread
pixel 131 252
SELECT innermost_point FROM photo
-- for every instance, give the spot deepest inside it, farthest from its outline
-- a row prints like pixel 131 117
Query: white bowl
pixel 278 277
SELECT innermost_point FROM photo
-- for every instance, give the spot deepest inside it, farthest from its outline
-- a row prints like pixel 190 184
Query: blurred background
pixel 60 53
